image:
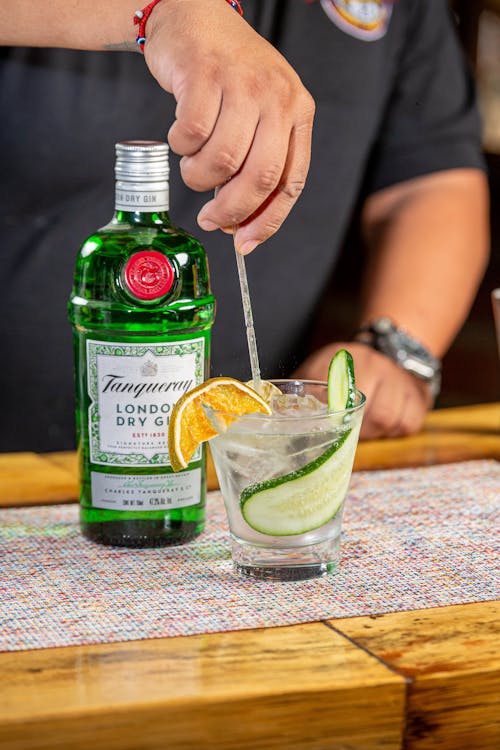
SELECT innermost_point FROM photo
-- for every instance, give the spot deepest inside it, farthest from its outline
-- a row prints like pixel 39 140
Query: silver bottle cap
pixel 141 170
pixel 141 161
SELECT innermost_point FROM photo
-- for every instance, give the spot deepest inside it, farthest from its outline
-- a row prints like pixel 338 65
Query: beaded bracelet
pixel 141 18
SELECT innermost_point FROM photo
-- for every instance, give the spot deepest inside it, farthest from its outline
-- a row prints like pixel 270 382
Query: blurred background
pixel 471 369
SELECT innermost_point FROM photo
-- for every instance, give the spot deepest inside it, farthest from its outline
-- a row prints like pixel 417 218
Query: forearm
pixel 72 24
pixel 428 247
pixel 79 24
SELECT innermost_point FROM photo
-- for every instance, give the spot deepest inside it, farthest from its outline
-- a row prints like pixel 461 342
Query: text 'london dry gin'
pixel 141 310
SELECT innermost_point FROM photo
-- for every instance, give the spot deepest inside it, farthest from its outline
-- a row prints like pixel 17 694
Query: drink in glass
pixel 495 300
pixel 284 478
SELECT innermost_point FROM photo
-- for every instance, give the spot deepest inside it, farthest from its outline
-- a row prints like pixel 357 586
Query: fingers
pixel 219 157
pixel 383 411
pixel 396 406
pixel 412 417
pixel 196 115
pixel 265 189
pixel 262 168
pixel 276 208
pixel 262 171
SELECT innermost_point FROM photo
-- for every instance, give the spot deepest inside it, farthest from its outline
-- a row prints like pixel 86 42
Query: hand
pixel 243 117
pixel 396 402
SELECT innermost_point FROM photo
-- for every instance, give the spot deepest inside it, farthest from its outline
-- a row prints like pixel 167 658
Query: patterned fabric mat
pixel 412 539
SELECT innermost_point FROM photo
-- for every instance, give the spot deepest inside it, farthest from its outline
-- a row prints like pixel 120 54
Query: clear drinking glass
pixel 495 300
pixel 284 479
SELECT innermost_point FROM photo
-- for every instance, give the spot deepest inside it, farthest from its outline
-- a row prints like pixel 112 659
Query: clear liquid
pixel 243 457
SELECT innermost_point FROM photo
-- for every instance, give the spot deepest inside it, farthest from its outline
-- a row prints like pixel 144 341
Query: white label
pixel 130 197
pixel 146 492
pixel 133 388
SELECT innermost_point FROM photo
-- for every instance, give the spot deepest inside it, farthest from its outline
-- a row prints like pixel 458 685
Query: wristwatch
pixel 384 336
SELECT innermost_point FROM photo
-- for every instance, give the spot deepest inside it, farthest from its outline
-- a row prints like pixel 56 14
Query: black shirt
pixel 390 106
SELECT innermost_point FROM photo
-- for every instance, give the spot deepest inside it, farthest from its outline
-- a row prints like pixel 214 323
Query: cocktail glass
pixel 495 300
pixel 284 479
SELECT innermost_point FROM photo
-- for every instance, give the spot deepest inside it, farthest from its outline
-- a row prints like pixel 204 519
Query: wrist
pixel 142 18
pixel 150 15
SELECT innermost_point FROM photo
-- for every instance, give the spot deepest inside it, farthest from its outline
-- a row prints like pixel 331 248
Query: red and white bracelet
pixel 141 18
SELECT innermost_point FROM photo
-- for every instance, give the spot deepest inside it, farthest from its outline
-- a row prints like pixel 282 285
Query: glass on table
pixel 495 300
pixel 284 479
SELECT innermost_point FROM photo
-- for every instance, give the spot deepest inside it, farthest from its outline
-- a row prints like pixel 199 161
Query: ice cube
pixel 293 405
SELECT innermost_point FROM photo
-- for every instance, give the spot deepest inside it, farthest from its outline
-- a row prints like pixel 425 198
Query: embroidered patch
pixel 363 19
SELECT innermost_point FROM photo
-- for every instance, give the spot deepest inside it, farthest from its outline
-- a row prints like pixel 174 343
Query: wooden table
pixel 412 680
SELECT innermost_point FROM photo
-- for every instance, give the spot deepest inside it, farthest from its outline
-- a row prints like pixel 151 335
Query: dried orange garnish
pixel 189 425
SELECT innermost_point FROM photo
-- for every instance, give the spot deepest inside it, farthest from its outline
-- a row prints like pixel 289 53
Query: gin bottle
pixel 141 310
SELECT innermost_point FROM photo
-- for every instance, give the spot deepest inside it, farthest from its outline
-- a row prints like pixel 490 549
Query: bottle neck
pixel 141 202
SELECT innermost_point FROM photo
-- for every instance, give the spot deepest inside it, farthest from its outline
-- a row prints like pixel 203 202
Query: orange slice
pixel 189 425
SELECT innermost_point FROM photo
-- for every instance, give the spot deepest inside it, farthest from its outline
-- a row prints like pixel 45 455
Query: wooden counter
pixel 449 435
pixel 412 680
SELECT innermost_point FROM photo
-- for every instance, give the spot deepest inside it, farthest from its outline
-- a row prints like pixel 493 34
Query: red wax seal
pixel 148 275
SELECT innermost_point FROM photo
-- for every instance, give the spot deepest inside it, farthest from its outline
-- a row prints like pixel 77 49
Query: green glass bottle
pixel 141 310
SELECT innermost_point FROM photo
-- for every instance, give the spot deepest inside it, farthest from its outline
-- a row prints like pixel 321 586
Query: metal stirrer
pixel 247 312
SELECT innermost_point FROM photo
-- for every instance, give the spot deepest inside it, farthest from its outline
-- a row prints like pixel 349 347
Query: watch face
pixel 406 343
pixel 384 326
pixel 403 349
pixel 406 352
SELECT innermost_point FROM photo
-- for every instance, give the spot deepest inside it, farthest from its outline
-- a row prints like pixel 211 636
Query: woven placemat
pixel 412 539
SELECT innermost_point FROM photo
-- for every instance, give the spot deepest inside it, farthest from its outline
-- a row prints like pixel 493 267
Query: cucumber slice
pixel 306 498
pixel 341 382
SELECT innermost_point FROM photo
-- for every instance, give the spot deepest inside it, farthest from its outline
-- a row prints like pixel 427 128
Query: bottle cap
pixel 141 161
